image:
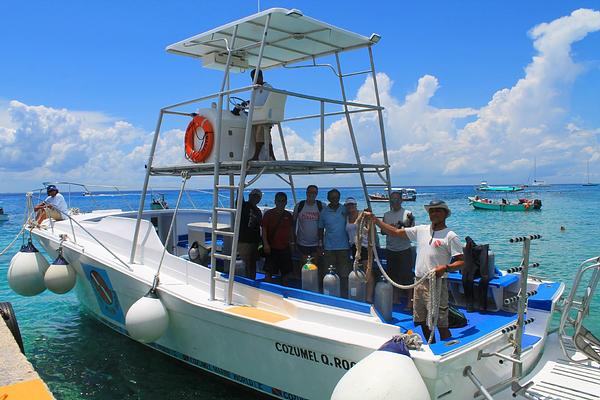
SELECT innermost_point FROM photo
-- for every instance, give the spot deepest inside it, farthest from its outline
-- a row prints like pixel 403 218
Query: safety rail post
pixel 244 165
pixel 285 154
pixel 216 172
pixel 517 370
pixel 381 124
pixel 322 118
pixel 145 187
pixel 351 130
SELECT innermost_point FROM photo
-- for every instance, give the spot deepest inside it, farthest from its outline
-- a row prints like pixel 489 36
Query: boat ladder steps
pixel 565 380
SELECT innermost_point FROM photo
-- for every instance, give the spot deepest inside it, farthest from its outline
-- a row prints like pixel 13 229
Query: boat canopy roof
pixel 291 37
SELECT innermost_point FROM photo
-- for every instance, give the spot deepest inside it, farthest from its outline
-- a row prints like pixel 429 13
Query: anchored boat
pixel 131 269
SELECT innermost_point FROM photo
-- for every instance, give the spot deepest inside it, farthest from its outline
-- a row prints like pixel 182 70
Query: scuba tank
pixel 331 283
pixel 310 276
pixel 357 285
pixel 384 297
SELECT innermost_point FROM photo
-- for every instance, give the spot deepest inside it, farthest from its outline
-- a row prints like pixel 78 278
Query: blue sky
pixel 472 90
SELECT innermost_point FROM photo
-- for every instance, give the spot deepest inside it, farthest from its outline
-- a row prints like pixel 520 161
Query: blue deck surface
pixel 497 281
pixel 543 299
pixel 479 324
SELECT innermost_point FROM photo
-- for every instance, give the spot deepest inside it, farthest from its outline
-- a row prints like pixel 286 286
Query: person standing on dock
pixel 54 206
pixel 277 239
pixel 249 237
pixel 333 239
pixel 398 252
pixel 439 249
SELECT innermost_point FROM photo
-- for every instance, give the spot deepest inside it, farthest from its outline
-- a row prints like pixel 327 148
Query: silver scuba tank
pixel 357 285
pixel 384 297
pixel 310 276
pixel 331 283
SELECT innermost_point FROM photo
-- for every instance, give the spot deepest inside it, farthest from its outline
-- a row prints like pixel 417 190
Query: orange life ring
pixel 203 152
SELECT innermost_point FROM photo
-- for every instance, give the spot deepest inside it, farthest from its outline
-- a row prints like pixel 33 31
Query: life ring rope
pixel 200 155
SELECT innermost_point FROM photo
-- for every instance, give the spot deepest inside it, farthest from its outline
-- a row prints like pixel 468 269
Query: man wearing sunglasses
pixel 439 249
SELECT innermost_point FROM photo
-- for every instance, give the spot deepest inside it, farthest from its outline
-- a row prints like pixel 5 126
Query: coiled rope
pixel 435 285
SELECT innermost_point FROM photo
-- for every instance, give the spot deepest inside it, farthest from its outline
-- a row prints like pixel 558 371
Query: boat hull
pixel 479 205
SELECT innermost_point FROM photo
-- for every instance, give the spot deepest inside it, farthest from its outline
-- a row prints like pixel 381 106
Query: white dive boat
pixel 127 267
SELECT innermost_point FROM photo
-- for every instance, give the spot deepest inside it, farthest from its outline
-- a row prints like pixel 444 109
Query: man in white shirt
pixel 398 253
pixel 438 249
pixel 306 225
pixel 54 206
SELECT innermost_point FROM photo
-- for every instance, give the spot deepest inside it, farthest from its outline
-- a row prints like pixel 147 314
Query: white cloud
pixel 427 144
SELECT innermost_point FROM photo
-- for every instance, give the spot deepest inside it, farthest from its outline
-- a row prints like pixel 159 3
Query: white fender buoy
pixel 386 374
pixel 26 271
pixel 60 276
pixel 147 319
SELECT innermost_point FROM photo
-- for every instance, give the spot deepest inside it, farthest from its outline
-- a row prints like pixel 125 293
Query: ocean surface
pixel 80 358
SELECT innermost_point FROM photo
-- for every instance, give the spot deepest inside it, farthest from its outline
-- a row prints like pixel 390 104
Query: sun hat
pixel 350 200
pixel 50 188
pixel 438 204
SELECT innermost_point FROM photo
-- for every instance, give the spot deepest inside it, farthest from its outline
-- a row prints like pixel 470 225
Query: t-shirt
pixel 307 227
pixel 278 235
pixel 262 95
pixel 396 243
pixel 250 223
pixel 351 231
pixel 334 223
pixel 433 247
pixel 59 203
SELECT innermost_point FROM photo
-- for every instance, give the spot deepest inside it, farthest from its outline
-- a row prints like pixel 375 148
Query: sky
pixel 472 90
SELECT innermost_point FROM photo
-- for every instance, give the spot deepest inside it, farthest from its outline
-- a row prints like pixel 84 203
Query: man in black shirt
pixel 249 237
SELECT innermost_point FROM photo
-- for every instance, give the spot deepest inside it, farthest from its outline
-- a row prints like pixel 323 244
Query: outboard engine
pixel 537 204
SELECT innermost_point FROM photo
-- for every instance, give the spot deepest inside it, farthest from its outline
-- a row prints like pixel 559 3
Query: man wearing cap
pixel 249 237
pixel 54 206
pixel 439 249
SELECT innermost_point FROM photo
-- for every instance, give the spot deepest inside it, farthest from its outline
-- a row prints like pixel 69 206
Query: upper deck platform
pixel 291 37
pixel 291 167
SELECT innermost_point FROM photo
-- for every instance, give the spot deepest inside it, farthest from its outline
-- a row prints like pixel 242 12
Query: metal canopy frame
pixel 305 38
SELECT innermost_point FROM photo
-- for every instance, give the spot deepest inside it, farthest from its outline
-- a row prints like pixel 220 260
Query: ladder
pixel 574 311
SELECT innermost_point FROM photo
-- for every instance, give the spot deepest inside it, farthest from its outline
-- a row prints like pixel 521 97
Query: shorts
pixel 421 303
pixel 307 250
pixel 260 132
pixel 54 214
pixel 400 266
pixel 339 259
pixel 278 262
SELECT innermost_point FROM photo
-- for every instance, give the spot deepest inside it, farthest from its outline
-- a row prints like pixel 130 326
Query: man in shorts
pixel 277 239
pixel 398 253
pixel 54 206
pixel 306 225
pixel 249 237
pixel 439 249
pixel 334 240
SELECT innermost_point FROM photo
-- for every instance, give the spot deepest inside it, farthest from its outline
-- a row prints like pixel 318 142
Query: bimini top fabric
pixel 291 37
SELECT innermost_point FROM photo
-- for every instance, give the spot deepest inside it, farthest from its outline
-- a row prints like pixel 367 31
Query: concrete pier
pixel 18 379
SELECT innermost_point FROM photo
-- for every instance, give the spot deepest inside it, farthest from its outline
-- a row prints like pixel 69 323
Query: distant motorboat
pixel 505 205
pixel 159 202
pixel 484 187
pixel 86 193
pixel 408 194
pixel 3 216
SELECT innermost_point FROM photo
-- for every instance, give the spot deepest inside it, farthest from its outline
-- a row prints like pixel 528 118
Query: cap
pixel 438 204
pixel 350 200
pixel 50 188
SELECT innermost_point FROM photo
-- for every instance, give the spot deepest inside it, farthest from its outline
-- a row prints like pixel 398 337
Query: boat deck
pixel 479 324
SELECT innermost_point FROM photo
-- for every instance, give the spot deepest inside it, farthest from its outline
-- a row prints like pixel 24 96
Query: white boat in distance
pixel 130 268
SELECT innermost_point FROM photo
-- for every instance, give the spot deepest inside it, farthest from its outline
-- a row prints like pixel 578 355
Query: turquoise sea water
pixel 80 358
